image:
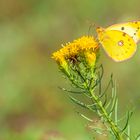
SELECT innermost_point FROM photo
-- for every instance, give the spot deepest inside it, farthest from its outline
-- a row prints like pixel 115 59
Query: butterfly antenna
pixel 94 27
pixel 90 27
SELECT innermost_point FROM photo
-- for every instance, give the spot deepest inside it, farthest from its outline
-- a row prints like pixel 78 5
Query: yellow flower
pixel 70 50
pixel 90 58
pixel 61 60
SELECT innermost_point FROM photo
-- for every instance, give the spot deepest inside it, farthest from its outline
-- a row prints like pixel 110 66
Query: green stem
pixel 103 111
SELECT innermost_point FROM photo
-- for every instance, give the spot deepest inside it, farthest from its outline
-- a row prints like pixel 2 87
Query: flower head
pixel 90 58
pixel 78 55
pixel 75 48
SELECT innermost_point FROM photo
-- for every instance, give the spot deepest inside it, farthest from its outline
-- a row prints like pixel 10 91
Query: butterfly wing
pixel 118 46
pixel 131 28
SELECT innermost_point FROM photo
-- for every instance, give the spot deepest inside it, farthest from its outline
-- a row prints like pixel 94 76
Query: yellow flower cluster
pixel 84 44
pixel 90 58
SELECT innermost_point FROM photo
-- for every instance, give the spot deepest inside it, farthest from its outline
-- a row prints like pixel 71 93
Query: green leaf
pixel 85 117
pixel 129 114
pixel 116 112
pixel 138 137
pixel 128 132
pixel 78 102
pixel 75 92
pixel 109 83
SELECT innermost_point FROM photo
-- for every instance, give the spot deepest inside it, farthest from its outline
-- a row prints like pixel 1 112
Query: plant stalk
pixel 106 116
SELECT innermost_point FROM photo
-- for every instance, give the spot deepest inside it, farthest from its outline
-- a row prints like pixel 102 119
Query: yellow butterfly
pixel 120 40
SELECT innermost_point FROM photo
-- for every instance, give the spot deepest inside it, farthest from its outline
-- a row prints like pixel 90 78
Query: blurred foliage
pixel 31 106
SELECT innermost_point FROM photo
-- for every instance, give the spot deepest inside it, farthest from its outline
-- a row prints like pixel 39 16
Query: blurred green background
pixel 31 105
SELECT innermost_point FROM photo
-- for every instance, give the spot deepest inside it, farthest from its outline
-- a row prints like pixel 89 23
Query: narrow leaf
pixel 88 119
pixel 116 111
pixel 128 132
pixel 108 85
pixel 138 137
pixel 78 102
pixel 76 92
pixel 129 114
